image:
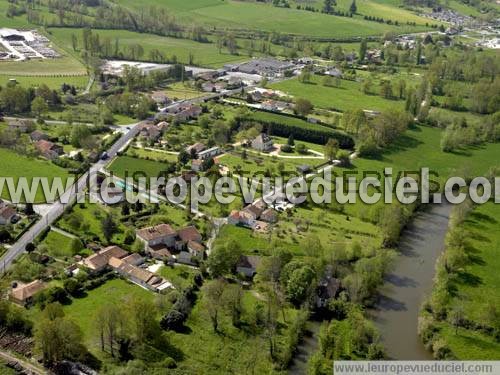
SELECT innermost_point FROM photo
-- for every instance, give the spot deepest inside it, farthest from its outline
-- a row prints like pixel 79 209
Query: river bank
pixel 396 311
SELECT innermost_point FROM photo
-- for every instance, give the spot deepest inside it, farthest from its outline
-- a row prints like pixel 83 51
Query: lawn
pixel 85 220
pixel 16 165
pixel 155 155
pixel 477 286
pixel 83 310
pixel 295 228
pixel 207 353
pixel 58 245
pixel 346 97
pixel 255 165
pixel 127 166
pixel 181 276
pixel 180 91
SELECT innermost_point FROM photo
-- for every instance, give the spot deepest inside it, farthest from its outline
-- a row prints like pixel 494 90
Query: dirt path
pixel 27 366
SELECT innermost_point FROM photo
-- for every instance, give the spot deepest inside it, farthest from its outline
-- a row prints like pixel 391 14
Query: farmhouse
pixel 162 234
pixel 38 136
pixel 7 215
pixel 328 289
pixel 140 276
pixel 334 72
pixel 49 149
pixel 150 131
pixel 99 261
pixel 195 148
pixel 23 294
pixel 209 153
pixel 196 165
pixel 262 143
pixel 248 264
pixel 19 125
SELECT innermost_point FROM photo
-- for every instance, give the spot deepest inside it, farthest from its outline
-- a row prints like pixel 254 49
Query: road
pixel 25 364
pixel 69 196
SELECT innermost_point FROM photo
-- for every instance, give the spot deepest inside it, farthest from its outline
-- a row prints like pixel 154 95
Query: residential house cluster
pixel 183 112
pixel 152 131
pixel 48 149
pixel 126 264
pixel 163 242
pixel 265 66
pixel 256 216
pixel 200 153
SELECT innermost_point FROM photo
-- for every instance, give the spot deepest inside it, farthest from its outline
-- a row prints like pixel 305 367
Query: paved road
pixel 69 196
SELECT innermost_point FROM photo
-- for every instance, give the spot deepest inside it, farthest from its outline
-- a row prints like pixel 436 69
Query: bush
pixel 286 148
pixel 173 321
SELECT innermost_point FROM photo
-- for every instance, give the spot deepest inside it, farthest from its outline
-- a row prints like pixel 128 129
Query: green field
pixel 53 82
pixel 123 165
pixel 16 165
pixel 204 352
pixel 256 165
pixel 258 16
pixel 58 245
pixel 346 97
pixel 420 147
pixel 83 310
pixel 477 285
pixel 59 67
pixel 205 54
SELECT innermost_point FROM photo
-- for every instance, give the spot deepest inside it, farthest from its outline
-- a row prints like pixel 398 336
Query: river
pixel 405 288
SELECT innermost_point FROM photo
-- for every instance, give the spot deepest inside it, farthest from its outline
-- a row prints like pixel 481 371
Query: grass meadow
pixel 477 286
pixel 346 97
pixel 265 17
pixel 123 165
pixel 16 165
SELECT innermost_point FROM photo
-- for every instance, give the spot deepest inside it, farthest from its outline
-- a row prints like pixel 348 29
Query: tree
pixel 109 321
pixel 183 157
pixel 213 292
pixel 59 339
pixel 386 89
pixel 457 317
pixel 362 50
pixel 353 8
pixel 291 141
pixel 344 158
pixel 303 106
pixel 299 284
pixel 328 6
pixel 305 76
pixel 142 317
pixel 331 149
pixel 39 106
pixel 224 258
pixel 74 42
pixel 233 295
pixel 328 81
pixel 108 227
